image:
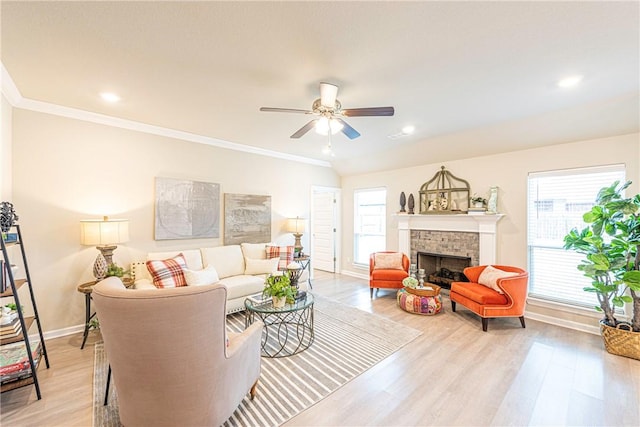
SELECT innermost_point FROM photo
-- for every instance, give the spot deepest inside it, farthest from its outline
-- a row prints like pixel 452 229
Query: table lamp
pixel 105 234
pixel 296 226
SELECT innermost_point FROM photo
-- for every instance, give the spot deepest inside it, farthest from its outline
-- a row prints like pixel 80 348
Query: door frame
pixel 337 192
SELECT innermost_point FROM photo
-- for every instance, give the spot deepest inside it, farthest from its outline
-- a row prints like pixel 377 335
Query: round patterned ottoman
pixel 419 301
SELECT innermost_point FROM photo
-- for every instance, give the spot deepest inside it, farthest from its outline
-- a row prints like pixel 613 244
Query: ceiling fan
pixel 329 114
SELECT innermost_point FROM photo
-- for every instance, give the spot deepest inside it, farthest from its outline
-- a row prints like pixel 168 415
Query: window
pixel 369 223
pixel 556 202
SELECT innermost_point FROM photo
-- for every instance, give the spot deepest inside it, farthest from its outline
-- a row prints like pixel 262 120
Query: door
pixel 324 229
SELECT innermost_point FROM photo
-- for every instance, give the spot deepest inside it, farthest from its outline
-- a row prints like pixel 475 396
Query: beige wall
pixel 5 150
pixel 509 172
pixel 65 170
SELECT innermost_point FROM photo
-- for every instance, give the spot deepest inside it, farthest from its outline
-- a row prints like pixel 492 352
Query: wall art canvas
pixel 186 209
pixel 247 219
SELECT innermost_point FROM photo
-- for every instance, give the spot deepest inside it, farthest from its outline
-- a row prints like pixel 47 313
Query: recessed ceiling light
pixel 569 81
pixel 408 130
pixel 405 131
pixel 110 97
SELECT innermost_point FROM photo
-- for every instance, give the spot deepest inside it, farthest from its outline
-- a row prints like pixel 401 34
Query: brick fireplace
pixel 463 239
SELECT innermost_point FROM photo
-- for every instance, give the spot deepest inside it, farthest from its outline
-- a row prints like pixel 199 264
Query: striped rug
pixel 347 342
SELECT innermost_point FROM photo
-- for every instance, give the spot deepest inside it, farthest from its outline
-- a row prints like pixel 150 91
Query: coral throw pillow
pixel 490 275
pixel 168 273
pixel 284 253
pixel 392 261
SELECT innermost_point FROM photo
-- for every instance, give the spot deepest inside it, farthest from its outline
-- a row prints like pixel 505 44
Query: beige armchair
pixel 168 354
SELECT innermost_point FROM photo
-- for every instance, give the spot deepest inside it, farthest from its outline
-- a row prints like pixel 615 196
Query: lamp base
pixel 297 246
pixel 107 253
pixel 100 267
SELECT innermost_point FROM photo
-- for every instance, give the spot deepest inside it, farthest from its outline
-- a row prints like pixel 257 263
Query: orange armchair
pixel 487 302
pixel 391 269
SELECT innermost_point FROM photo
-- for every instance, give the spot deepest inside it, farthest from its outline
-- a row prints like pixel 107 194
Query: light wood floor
pixel 453 374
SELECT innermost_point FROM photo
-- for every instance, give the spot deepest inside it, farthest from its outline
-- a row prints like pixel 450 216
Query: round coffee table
pixel 287 330
pixel 420 300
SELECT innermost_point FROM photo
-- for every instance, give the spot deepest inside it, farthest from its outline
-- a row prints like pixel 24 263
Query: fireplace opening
pixel 441 269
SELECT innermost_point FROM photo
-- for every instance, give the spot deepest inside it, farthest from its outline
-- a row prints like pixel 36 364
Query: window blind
pixel 556 201
pixel 369 223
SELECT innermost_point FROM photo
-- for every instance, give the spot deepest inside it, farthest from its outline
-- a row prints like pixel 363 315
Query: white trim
pixel 57 333
pixel 569 324
pixel 14 97
pixel 356 275
pixel 616 167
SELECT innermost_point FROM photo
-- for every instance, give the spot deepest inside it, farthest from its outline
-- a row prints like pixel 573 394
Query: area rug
pixel 347 342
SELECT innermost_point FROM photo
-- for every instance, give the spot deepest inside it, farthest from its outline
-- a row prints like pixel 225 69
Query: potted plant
pixel 115 270
pixel 279 288
pixel 612 261
pixel 478 202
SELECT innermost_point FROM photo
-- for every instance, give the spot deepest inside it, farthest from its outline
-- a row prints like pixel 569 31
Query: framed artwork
pixel 186 209
pixel 247 219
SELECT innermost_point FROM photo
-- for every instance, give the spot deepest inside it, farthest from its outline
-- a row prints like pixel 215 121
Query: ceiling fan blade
pixel 285 110
pixel 328 94
pixel 347 129
pixel 372 111
pixel 304 129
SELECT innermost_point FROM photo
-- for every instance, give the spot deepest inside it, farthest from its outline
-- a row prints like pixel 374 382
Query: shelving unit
pixel 25 321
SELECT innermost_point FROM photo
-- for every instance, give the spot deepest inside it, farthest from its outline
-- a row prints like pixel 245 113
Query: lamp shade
pixel 96 232
pixel 296 225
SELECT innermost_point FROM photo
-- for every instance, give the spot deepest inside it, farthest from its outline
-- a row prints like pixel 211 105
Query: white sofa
pixel 241 268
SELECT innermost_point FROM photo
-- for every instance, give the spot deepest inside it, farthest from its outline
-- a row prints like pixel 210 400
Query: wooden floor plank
pixel 453 374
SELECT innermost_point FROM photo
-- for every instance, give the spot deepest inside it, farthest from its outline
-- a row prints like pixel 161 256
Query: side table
pixel 87 289
pixel 305 263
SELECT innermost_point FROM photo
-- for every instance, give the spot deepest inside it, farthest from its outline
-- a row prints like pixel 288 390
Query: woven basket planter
pixel 620 341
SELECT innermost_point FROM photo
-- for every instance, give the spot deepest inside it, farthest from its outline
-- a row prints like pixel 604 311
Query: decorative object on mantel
pixel 477 206
pixel 612 262
pixel 7 216
pixel 492 206
pixel 444 193
pixel 412 204
pixel 403 201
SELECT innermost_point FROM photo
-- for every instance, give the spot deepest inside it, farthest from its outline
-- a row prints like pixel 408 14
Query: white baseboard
pixel 57 333
pixel 354 274
pixel 569 324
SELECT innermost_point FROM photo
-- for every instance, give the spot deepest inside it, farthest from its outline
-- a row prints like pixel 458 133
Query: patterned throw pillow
pixel 284 253
pixel 168 273
pixel 388 261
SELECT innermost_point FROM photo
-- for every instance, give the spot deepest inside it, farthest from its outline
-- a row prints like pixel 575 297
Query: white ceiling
pixel 473 77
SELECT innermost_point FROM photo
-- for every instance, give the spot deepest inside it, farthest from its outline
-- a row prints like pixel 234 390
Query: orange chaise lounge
pixel 492 291
pixel 387 270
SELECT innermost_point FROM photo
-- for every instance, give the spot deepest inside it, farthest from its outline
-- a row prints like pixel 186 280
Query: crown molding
pixel 15 98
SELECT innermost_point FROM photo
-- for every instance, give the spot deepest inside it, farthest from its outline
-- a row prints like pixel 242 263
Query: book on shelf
pixel 10 237
pixel 14 359
pixel 12 333
pixel 8 321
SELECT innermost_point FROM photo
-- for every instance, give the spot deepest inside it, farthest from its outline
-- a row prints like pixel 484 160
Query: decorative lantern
pixel 444 193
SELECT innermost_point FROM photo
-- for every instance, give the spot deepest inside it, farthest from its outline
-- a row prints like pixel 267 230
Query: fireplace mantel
pixel 484 225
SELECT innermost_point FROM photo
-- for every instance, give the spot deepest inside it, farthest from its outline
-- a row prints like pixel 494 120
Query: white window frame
pixel 553 276
pixel 379 221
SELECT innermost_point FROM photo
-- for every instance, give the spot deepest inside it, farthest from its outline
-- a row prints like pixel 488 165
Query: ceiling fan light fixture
pixel 328 94
pixel 323 125
pixel 328 151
